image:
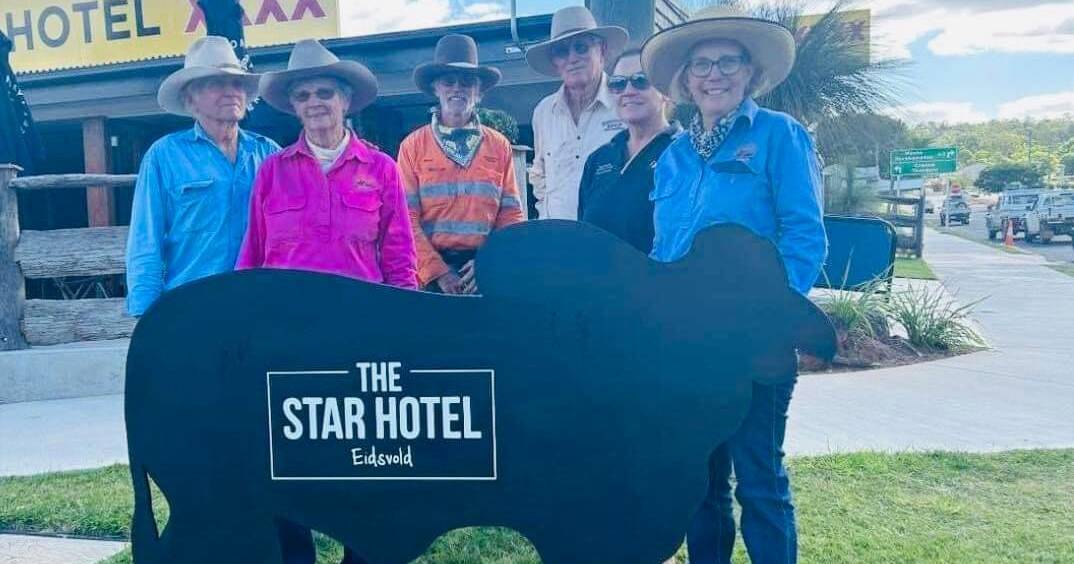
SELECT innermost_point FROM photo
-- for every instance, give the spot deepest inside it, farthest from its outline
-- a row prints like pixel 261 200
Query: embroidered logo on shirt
pixel 605 169
pixel 613 125
pixel 364 184
pixel 746 152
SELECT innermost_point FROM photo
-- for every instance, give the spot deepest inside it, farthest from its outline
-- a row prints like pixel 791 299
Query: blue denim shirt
pixel 764 177
pixel 190 211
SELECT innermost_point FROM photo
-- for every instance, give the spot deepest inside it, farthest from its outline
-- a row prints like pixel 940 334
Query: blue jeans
pixel 763 489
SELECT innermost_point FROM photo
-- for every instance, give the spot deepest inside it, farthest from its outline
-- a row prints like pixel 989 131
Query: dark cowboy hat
pixel 455 53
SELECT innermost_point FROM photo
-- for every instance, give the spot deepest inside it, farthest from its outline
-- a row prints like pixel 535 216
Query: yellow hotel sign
pixel 58 34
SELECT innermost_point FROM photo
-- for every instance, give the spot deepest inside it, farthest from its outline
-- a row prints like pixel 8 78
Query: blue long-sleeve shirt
pixel 765 177
pixel 190 212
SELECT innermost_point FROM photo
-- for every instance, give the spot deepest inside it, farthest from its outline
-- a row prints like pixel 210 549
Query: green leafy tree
pixel 995 178
pixel 1068 164
pixel 866 139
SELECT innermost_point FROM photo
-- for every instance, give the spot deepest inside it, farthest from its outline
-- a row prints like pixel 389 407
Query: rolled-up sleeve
pixel 797 186
pixel 145 240
pixel 398 256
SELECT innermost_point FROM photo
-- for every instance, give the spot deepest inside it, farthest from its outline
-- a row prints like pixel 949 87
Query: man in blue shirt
pixel 191 202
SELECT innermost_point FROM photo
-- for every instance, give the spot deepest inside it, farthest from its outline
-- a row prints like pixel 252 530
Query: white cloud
pixel 382 16
pixel 485 11
pixel 1038 107
pixel 965 27
pixel 939 112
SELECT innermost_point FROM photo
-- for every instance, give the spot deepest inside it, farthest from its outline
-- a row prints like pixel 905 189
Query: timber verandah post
pixel 12 284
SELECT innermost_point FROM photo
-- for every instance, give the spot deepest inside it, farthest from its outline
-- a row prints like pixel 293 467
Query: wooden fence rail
pixel 60 253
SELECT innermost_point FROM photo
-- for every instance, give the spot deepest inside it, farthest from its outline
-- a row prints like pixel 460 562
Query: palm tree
pixel 831 77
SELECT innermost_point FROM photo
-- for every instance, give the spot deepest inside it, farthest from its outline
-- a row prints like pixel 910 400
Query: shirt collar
pixel 198 133
pixel 356 149
pixel 748 109
pixel 604 96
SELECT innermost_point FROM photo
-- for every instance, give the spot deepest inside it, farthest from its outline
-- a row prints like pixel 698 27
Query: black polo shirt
pixel 617 200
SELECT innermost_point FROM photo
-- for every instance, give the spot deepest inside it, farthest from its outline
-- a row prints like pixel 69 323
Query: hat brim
pixel 275 85
pixel 426 73
pixel 539 56
pixel 771 48
pixel 170 93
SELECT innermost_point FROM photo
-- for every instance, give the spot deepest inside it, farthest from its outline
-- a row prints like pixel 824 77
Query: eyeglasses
pixel 302 96
pixel 464 80
pixel 579 46
pixel 618 83
pixel 729 65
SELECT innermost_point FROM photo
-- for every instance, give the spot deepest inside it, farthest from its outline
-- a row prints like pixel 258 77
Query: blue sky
pixel 972 60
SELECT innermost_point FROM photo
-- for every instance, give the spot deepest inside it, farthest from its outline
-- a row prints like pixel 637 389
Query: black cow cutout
pixel 576 401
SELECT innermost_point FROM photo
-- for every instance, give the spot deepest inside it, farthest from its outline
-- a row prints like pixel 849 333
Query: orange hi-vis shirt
pixel 455 208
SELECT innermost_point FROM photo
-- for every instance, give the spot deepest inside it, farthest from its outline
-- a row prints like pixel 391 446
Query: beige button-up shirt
pixel 562 146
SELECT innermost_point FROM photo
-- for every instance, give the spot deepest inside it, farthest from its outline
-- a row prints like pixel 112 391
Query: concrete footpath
pixel 22 549
pixel 1019 395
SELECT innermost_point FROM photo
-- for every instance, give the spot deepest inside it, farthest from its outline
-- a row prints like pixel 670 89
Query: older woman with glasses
pixel 618 176
pixel 331 202
pixel 757 168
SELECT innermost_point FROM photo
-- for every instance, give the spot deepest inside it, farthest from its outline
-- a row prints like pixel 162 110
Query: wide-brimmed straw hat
pixel 771 48
pixel 455 53
pixel 310 59
pixel 208 57
pixel 567 23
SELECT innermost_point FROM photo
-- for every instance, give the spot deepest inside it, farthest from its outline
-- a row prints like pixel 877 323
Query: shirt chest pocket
pixel 284 216
pixel 197 208
pixel 738 187
pixel 361 214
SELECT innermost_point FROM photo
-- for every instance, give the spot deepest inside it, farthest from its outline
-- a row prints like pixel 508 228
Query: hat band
pixel 572 30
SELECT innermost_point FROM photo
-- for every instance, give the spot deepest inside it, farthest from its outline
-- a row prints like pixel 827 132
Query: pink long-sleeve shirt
pixel 351 221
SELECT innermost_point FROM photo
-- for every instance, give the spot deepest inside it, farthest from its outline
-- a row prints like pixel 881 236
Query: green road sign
pixel 920 162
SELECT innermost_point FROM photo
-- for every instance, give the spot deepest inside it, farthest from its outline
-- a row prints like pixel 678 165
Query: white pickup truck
pixel 1052 215
pixel 1012 207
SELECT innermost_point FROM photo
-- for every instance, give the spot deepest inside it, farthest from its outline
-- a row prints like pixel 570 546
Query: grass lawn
pixel 1067 269
pixel 913 268
pixel 859 508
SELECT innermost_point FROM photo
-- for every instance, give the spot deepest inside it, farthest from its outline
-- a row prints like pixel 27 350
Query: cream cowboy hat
pixel 310 59
pixel 567 23
pixel 208 57
pixel 454 53
pixel 770 45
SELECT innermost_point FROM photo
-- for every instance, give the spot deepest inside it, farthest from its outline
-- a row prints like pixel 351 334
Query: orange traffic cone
pixel 1008 239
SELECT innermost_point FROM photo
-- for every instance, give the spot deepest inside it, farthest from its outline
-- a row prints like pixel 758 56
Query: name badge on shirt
pixel 605 169
pixel 613 125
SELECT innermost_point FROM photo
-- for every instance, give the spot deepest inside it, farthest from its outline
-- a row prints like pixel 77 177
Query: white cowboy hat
pixel 208 57
pixel 771 48
pixel 567 23
pixel 454 53
pixel 310 59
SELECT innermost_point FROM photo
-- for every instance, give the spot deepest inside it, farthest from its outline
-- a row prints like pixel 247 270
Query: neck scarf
pixel 459 144
pixel 706 142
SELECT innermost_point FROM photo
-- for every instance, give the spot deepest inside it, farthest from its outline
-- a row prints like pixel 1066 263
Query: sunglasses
pixel 321 93
pixel 464 80
pixel 702 67
pixel 579 46
pixel 617 83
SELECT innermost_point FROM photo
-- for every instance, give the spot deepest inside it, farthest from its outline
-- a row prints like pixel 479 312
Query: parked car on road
pixel 1012 206
pixel 955 208
pixel 1052 214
